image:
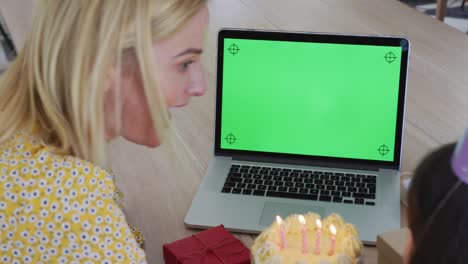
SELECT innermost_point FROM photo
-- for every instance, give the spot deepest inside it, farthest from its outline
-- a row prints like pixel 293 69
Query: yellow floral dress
pixel 59 209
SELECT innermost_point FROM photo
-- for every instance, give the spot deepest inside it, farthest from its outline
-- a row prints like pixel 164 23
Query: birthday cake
pixel 301 239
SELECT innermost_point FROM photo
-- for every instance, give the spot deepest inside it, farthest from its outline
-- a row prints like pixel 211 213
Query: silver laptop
pixel 305 123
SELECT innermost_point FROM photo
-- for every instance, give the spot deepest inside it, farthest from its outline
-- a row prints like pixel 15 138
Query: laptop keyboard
pixel 324 186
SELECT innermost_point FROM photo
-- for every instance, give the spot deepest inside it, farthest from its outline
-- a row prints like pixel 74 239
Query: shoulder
pixel 27 162
pixel 60 204
pixel 34 180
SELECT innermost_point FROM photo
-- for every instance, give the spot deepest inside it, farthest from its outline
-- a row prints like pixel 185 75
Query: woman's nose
pixel 198 87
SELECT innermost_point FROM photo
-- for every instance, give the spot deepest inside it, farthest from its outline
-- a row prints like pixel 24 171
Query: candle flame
pixel 333 229
pixel 318 223
pixel 302 219
pixel 278 219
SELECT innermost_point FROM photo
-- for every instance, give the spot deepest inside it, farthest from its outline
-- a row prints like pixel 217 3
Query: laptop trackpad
pixel 272 209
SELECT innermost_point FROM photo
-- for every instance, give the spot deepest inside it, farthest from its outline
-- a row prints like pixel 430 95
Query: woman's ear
pixel 110 116
pixel 110 81
pixel 408 248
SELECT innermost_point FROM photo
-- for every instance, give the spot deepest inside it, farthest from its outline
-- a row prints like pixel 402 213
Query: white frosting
pixel 266 249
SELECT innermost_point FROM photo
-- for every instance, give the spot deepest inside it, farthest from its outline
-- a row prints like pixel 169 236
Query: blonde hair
pixel 57 82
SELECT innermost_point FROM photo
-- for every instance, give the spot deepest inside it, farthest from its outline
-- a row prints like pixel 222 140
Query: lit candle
pixel 282 234
pixel 319 235
pixel 304 235
pixel 333 240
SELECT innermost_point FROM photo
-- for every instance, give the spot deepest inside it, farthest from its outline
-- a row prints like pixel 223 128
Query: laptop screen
pixel 309 98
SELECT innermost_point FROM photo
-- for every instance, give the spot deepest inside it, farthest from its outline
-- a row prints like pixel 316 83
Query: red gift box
pixel 215 245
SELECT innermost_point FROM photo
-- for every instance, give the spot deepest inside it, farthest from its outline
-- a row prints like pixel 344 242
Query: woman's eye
pixel 184 66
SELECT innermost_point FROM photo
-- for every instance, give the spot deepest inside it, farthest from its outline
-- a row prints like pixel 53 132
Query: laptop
pixel 305 123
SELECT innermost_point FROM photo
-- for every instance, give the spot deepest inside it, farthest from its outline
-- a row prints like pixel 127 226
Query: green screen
pixel 320 99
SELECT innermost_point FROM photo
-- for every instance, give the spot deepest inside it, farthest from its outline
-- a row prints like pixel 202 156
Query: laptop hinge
pixel 310 163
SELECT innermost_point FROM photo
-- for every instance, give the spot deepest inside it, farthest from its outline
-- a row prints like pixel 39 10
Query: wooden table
pixel 158 192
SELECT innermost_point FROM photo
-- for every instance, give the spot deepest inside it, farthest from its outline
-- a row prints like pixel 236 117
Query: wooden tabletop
pixel 158 190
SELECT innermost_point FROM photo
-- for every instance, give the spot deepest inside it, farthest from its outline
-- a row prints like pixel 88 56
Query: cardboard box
pixel 391 245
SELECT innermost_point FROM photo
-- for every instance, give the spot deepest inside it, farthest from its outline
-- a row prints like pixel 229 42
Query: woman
pixel 437 209
pixel 89 72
